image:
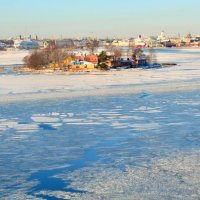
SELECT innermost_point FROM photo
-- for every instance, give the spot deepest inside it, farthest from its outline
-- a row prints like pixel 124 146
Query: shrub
pixel 102 66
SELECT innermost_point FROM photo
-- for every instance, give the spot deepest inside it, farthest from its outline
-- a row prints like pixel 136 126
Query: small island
pixel 56 60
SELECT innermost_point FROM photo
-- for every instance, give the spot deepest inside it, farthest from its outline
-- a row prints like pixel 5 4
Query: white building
pixel 81 52
pixel 2 45
pixel 26 44
pixel 162 37
pixel 120 43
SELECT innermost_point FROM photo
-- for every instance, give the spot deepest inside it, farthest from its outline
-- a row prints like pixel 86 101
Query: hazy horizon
pixel 113 18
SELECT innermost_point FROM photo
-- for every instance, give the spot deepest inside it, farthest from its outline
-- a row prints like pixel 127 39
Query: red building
pixel 92 58
pixel 80 58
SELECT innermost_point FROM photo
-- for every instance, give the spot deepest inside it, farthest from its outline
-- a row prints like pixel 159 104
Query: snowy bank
pixel 68 94
pixel 184 76
pixel 12 57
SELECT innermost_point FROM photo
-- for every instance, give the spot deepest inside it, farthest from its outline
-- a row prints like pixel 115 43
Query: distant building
pixel 191 41
pixel 120 43
pixel 2 46
pixel 76 43
pixel 65 43
pixel 131 42
pixel 195 42
pixel 98 50
pixel 103 43
pixel 162 38
pixel 80 52
pixel 26 44
pixel 48 43
pixel 151 41
pixel 164 41
pixel 6 43
pixel 177 42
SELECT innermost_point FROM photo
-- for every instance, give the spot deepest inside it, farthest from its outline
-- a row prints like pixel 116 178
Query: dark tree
pixel 102 57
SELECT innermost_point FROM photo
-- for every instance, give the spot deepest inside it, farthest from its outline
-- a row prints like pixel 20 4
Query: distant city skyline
pixel 98 18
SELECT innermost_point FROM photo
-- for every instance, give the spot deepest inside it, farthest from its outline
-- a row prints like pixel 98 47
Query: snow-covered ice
pixel 12 57
pixel 184 76
pixel 119 135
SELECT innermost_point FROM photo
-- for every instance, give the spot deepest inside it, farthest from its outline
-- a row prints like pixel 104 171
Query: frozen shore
pixel 102 91
pixel 184 76
pixel 12 57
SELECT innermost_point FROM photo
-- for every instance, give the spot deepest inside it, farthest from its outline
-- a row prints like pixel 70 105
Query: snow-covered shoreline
pixel 185 76
pixel 13 57
pixel 146 89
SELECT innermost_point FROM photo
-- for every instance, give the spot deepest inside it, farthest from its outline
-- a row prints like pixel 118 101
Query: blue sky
pixel 101 18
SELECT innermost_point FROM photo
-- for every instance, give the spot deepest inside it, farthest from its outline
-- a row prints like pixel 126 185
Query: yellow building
pixel 81 66
pixel 61 65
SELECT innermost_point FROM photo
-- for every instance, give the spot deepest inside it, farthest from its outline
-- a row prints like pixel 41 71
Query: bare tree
pixel 35 60
pixel 136 52
pixel 42 58
pixel 117 53
pixel 58 55
pixel 151 59
pixel 92 44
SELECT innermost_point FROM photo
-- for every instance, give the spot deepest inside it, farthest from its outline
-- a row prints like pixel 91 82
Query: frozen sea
pixel 144 145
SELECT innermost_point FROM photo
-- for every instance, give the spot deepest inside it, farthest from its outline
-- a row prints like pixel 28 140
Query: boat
pixel 139 42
